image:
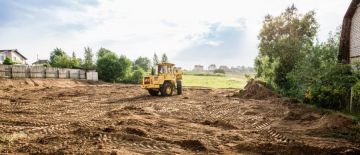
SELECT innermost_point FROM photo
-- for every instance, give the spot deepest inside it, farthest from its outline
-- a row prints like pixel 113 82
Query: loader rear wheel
pixel 179 87
pixel 167 89
pixel 153 92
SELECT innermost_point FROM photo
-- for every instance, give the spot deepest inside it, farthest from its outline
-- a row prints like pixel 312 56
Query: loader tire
pixel 153 92
pixel 179 87
pixel 167 89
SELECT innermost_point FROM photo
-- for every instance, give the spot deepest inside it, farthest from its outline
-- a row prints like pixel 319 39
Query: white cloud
pixel 142 27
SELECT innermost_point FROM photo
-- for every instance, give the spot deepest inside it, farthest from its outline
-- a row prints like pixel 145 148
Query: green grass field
pixel 227 81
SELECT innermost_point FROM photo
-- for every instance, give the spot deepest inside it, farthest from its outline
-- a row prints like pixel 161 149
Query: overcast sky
pixel 190 32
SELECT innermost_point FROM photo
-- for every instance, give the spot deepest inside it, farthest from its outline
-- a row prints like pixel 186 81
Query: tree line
pixel 110 66
pixel 293 62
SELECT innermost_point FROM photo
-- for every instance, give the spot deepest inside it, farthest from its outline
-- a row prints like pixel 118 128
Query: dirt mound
pixel 302 117
pixel 335 121
pixel 257 90
pixel 337 126
pixel 325 124
pixel 194 145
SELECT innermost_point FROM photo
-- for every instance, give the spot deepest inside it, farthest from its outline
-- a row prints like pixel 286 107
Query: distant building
pixel 349 51
pixel 198 68
pixel 14 55
pixel 41 63
pixel 212 67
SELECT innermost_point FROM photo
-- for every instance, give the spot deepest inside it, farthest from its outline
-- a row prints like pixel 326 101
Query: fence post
pixel 351 99
pixel 45 72
pixel 11 72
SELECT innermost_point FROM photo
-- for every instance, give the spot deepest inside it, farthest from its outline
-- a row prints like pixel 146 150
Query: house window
pixel 14 58
pixel 1 58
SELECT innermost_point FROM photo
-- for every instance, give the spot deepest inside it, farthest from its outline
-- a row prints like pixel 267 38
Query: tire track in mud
pixel 264 127
pixel 257 123
pixel 42 129
pixel 128 140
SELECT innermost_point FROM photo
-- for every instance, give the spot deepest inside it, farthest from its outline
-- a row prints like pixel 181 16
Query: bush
pixel 138 75
pixel 111 67
pixel 332 89
pixel 143 63
pixel 135 77
pixel 220 71
pixel 63 61
pixel 8 61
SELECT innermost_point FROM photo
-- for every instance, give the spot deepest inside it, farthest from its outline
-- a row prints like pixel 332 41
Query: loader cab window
pixel 165 69
pixel 162 69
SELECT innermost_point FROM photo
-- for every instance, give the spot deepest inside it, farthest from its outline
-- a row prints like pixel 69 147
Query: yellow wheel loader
pixel 167 79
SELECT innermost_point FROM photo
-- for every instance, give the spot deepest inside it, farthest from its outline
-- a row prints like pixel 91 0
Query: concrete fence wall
pixel 14 71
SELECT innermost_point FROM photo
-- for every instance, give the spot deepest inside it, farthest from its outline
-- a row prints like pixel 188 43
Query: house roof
pixel 344 49
pixel 41 62
pixel 14 50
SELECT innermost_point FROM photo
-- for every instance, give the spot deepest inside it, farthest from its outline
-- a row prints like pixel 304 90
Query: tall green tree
pixel 102 51
pixel 73 55
pixel 164 58
pixel 63 61
pixel 54 53
pixel 155 60
pixel 284 40
pixel 142 62
pixel 112 67
pixel 88 59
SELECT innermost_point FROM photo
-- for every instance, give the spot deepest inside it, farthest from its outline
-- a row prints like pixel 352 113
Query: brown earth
pixel 78 117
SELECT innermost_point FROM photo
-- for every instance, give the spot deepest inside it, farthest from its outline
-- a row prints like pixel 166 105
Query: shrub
pixel 332 90
pixel 221 71
pixel 111 67
pixel 8 61
pixel 135 77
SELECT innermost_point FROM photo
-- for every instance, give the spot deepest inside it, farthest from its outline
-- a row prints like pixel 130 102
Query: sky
pixel 190 32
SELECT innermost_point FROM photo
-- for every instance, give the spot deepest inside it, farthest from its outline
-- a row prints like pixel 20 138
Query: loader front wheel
pixel 153 92
pixel 167 89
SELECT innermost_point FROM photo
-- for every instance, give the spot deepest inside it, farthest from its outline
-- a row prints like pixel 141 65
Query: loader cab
pixel 166 68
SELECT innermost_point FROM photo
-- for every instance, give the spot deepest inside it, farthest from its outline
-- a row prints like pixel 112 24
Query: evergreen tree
pixel 155 60
pixel 164 58
pixel 88 61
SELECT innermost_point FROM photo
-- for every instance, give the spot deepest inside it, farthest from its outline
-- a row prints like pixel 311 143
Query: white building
pixel 198 68
pixel 14 55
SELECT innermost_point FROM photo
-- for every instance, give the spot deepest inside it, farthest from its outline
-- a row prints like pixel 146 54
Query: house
pixel 212 68
pixel 14 54
pixel 349 51
pixel 41 63
pixel 198 68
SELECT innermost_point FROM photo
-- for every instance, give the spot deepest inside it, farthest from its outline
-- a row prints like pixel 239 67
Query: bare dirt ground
pixel 74 117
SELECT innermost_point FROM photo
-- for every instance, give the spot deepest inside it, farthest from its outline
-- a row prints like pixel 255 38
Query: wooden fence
pixel 15 71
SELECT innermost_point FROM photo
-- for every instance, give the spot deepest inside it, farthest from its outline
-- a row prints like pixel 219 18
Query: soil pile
pixel 257 90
